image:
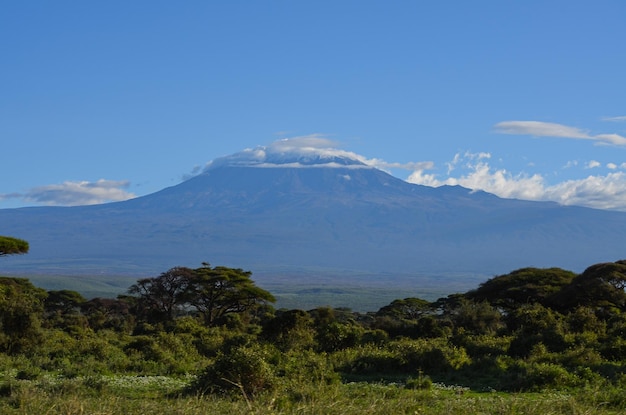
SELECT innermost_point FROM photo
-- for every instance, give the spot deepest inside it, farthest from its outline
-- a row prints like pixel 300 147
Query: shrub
pixel 435 355
pixel 537 377
pixel 307 367
pixel 421 382
pixel 165 353
pixel 243 369
pixel 369 360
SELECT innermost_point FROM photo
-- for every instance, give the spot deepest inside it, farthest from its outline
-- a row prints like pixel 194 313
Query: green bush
pixel 307 367
pixel 434 355
pixel 244 369
pixel 421 382
pixel 536 377
pixel 368 360
pixel 163 353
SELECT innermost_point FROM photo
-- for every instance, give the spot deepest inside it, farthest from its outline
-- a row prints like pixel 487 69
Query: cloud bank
pixel 596 191
pixel 75 193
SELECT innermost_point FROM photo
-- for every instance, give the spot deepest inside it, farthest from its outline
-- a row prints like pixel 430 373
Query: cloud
pixel 597 191
pixel 621 118
pixel 614 139
pixel 480 176
pixel 547 129
pixel 315 150
pixel 593 164
pixel 602 192
pixel 308 143
pixel 540 129
pixel 75 193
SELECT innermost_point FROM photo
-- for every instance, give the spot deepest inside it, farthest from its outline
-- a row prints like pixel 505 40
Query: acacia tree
pixel 601 287
pixel 211 292
pixel 12 246
pixel 163 297
pixel 408 309
pixel 218 291
pixel 523 286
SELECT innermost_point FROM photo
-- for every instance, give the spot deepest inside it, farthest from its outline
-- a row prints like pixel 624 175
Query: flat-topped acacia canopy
pixel 12 246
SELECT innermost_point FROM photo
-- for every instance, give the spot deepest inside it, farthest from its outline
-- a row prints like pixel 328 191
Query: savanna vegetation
pixel 208 340
pixel 12 246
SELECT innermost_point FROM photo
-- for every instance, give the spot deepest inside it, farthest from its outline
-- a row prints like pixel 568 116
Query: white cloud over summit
pixel 308 151
pixel 303 151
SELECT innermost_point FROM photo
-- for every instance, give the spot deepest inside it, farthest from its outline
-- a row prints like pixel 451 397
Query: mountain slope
pixel 328 217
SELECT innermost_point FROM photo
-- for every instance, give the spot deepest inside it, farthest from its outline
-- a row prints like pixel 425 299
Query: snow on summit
pixel 310 151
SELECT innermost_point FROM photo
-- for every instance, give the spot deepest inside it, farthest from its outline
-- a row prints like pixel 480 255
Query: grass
pixel 157 395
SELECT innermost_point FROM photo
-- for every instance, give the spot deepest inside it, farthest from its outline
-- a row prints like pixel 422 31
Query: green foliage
pixel 299 368
pixel 523 286
pixel 436 355
pixel 406 309
pixel 534 324
pixel 109 314
pixel 337 336
pixel 164 297
pixel 62 310
pixel 584 319
pixel 421 382
pixel 12 246
pixel 219 291
pixel 370 360
pixel 541 376
pixel 405 356
pixel 21 312
pixel 215 292
pixel 163 353
pixel 410 317
pixel 290 330
pixel 243 370
pixel 474 317
pixel 601 286
pixel 213 325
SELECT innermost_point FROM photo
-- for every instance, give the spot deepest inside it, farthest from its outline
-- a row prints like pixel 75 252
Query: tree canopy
pixel 523 286
pixel 162 297
pixel 600 286
pixel 221 290
pixel 12 246
pixel 213 292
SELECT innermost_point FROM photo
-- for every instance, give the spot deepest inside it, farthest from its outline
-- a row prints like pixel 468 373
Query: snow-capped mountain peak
pixel 311 151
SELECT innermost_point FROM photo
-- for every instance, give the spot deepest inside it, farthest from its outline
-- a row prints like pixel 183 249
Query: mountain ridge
pixel 331 219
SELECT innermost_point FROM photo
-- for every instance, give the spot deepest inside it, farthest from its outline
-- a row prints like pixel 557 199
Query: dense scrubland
pixel 208 340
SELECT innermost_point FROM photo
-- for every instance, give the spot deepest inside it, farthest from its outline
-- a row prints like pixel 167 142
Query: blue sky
pixel 102 101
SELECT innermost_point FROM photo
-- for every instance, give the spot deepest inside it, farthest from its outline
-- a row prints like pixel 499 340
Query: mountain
pixel 312 215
